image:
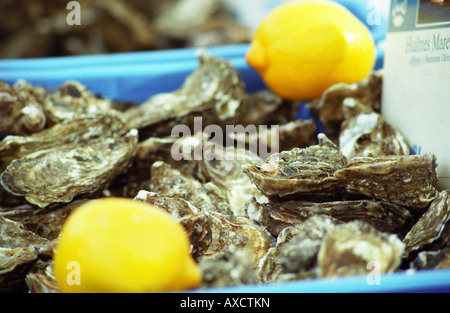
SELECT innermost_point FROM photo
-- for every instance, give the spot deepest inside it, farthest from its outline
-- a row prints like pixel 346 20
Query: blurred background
pixel 39 28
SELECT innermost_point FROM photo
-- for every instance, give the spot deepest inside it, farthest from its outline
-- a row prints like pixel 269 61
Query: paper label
pixel 416 84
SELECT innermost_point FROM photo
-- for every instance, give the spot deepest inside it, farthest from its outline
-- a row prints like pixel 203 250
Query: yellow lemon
pixel 123 245
pixel 303 47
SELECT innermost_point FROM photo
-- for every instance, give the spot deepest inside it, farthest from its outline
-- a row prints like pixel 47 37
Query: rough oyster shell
pixel 432 259
pixel 195 220
pixel 356 247
pixel 364 132
pixel 166 180
pixel 240 232
pixel 296 134
pixel 226 229
pixel 299 172
pixel 296 250
pixel 233 267
pixel 42 280
pixel 21 111
pixel 79 130
pixel 410 181
pixel 328 108
pixel 217 168
pixel 19 251
pixel 431 226
pixel 214 92
pixel 59 174
pixel 73 100
pixel 384 216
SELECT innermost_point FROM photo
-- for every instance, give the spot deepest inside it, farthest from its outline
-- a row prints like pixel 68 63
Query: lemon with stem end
pixel 123 245
pixel 303 47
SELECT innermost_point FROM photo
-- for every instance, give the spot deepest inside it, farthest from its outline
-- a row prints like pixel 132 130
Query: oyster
pixel 356 247
pixel 364 132
pixel 214 92
pixel 217 169
pixel 79 130
pixel 73 100
pixel 240 232
pixel 328 108
pixel 165 180
pixel 410 181
pixel 59 174
pixel 19 251
pixel 213 204
pixel 223 167
pixel 431 230
pixel 384 216
pixel 233 267
pixel 296 250
pixel 42 280
pixel 47 222
pixel 300 172
pixel 432 259
pixel 266 108
pixel 21 111
pixel 195 220
pixel 296 134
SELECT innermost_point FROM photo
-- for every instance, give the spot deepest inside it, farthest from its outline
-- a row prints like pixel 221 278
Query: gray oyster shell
pixel 300 171
pixel 214 92
pixel 432 229
pixel 410 181
pixel 73 100
pixel 365 133
pixel 77 131
pixel 295 134
pixel 295 254
pixel 21 110
pixel 328 108
pixel 20 249
pixel 356 248
pixel 233 267
pixel 196 221
pixel 384 216
pixel 59 174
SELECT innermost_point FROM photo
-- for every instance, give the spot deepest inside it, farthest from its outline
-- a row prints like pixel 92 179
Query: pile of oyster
pixel 339 202
pixel 50 28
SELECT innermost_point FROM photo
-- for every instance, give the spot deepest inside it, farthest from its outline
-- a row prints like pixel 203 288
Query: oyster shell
pixel 19 251
pixel 76 131
pixel 328 108
pixel 240 232
pixel 432 227
pixel 226 228
pixel 218 169
pixel 59 174
pixel 300 172
pixel 214 92
pixel 364 132
pixel 356 247
pixel 410 181
pixel 195 220
pixel 432 259
pixel 166 180
pixel 233 267
pixel 42 280
pixel 296 134
pixel 47 222
pixel 73 100
pixel 384 216
pixel 296 250
pixel 21 110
